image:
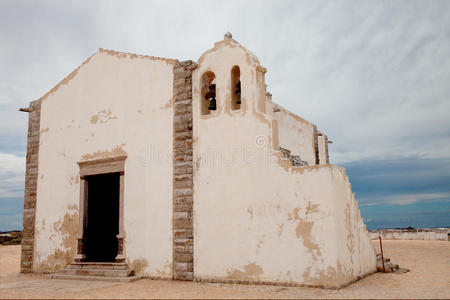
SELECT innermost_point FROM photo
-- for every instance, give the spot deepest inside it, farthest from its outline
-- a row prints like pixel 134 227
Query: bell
pixel 212 104
pixel 211 97
pixel 211 92
pixel 238 92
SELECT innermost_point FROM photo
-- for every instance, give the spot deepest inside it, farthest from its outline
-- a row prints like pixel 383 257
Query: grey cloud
pixel 405 199
pixel 372 75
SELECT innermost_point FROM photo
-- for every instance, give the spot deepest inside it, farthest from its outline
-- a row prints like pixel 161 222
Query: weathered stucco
pixel 256 217
pixel 240 211
pixel 295 134
pixel 323 155
pixel 114 104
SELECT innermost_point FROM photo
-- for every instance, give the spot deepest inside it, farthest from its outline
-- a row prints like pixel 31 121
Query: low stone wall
pixel 440 234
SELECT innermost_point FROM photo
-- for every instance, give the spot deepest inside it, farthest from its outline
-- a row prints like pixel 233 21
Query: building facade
pixel 186 170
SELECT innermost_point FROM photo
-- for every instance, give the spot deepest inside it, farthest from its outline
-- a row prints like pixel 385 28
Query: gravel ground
pixel 429 277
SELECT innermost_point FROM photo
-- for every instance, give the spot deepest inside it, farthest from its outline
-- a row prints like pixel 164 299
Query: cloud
pixel 405 199
pixel 12 175
pixel 372 75
pixel 389 178
pixel 402 193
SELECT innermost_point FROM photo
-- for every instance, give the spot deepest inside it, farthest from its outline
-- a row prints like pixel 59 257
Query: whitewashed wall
pixel 322 149
pixel 296 135
pixel 114 104
pixel 256 218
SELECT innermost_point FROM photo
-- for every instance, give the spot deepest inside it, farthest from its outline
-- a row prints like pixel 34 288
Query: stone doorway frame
pixel 98 167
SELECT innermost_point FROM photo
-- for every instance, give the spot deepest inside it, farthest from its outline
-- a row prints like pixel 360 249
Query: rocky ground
pixel 428 262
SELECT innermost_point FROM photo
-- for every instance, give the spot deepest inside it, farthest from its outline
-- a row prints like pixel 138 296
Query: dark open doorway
pixel 102 217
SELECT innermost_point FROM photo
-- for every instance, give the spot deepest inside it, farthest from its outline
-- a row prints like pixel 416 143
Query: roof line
pixel 294 115
pixel 121 54
pixel 118 54
pixel 66 79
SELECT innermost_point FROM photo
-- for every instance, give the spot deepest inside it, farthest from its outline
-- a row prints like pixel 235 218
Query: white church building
pixel 140 166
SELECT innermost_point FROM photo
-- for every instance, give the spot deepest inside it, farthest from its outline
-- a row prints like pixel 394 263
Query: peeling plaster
pixel 251 271
pixel 102 116
pixel 260 242
pixel 350 235
pixel 168 105
pixel 250 212
pixel 56 261
pixel 139 265
pixel 74 179
pixel 303 232
pixel 312 208
pixel 117 151
pixel 44 130
pixel 280 229
pixel 164 273
pixel 321 276
pixel 67 228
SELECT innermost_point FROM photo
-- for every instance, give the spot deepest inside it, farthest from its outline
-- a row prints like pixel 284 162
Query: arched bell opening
pixel 235 88
pixel 208 99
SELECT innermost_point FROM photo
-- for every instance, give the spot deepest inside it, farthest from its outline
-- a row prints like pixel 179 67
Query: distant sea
pixel 402 193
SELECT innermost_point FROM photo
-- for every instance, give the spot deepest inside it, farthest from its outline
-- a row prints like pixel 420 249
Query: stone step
pixel 98 265
pixel 89 278
pixel 97 272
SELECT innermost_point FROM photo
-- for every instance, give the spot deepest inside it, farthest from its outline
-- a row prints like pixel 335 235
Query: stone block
pixel 177 83
pixel 186 200
pixel 184 170
pixel 181 266
pixel 183 135
pixel 183 242
pixel 183 234
pixel 183 192
pixel 185 207
pixel 190 267
pixel 181 215
pixel 188 276
pixel 183 224
pixel 183 257
pixel 183 184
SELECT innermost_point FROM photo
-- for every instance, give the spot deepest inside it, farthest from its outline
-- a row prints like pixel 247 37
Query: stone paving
pixel 429 277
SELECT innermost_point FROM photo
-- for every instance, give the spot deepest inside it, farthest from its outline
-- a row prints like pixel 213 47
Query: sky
pixel 373 75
